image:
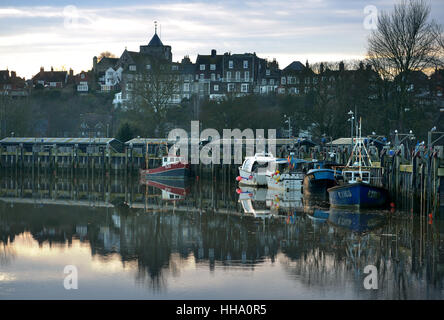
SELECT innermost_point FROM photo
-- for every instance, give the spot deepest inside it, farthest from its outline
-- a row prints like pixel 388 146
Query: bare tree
pixel 155 90
pixel 106 54
pixel 403 42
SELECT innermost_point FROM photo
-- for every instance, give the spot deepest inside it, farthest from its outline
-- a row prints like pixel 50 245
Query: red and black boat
pixel 171 168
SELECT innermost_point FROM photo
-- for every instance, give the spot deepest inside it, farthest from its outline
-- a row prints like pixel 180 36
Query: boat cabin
pixel 353 176
pixel 171 160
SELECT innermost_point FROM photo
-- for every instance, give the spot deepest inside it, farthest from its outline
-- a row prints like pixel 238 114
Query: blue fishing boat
pixel 319 178
pixel 357 189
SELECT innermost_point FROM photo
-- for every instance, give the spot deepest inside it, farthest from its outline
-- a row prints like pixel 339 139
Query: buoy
pixel 238 190
pixel 250 177
pixel 238 178
pixel 392 204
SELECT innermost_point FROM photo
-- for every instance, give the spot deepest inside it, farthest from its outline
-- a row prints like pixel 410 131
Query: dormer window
pixel 202 67
pixel 267 72
pixel 230 64
pixel 148 67
pixel 245 64
pixel 212 66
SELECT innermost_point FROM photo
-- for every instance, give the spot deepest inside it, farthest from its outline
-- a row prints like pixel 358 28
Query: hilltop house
pixel 51 79
pixel 12 85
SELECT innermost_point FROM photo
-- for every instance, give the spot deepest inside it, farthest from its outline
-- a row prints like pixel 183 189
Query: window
pixel 272 82
pixel 264 81
pixel 267 72
pixel 245 64
pixel 283 80
pixel 132 67
pixel 197 76
pixel 244 87
pixel 230 64
pixel 237 75
pixel 174 67
pixel 307 80
pixel 148 67
pixel 212 67
pixel 230 87
pixel 202 67
pixel 297 80
pixel 229 75
pixel 186 86
pixel 247 76
pixel 213 77
pixel 82 76
pixel 202 76
pixel 306 89
pixel 216 87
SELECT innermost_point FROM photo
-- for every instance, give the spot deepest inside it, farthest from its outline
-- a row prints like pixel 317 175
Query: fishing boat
pixel 172 168
pixel 319 178
pixel 287 174
pixel 357 189
pixel 253 169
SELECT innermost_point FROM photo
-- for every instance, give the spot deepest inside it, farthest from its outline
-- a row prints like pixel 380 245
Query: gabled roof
pixel 295 66
pixel 51 76
pixel 155 41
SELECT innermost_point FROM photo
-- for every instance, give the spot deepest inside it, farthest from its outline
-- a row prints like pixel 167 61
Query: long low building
pixel 89 145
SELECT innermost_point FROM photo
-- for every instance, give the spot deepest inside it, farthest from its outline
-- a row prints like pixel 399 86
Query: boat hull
pixel 358 195
pixel 316 184
pixel 171 171
pixel 252 178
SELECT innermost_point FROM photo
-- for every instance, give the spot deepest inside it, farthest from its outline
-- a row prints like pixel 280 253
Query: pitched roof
pixel 155 41
pixel 295 66
pixel 51 76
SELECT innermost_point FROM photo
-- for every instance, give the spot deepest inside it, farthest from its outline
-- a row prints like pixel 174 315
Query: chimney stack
pixel 213 52
pixel 341 66
pixel 13 74
pixel 71 72
pixel 321 68
pixel 42 69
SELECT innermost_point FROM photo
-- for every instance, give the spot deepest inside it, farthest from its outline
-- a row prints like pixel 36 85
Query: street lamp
pixel 351 119
pixel 289 125
pixel 432 131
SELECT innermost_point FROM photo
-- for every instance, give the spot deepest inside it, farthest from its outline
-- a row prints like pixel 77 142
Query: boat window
pixel 165 159
pixel 366 176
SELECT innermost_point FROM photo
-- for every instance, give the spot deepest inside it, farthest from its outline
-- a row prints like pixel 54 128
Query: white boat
pixel 287 175
pixel 253 170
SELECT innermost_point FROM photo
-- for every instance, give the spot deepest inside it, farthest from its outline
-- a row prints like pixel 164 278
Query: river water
pixel 128 240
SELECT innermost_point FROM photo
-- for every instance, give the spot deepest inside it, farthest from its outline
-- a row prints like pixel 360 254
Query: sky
pixel 68 34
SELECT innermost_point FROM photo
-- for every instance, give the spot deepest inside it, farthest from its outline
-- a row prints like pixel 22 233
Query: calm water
pixel 132 241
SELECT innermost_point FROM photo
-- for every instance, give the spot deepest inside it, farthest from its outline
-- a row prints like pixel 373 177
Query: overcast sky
pixel 69 33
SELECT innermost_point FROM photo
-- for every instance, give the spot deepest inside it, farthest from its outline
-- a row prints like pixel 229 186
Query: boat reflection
pixel 263 202
pixel 358 222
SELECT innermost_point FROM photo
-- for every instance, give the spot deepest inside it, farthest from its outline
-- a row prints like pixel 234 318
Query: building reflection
pixel 209 225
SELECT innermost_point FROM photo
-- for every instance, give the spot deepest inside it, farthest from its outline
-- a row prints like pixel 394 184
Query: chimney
pixel 13 74
pixel 306 64
pixel 94 63
pixel 361 65
pixel 42 69
pixel 213 52
pixel 52 69
pixel 321 68
pixel 71 72
pixel 341 66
